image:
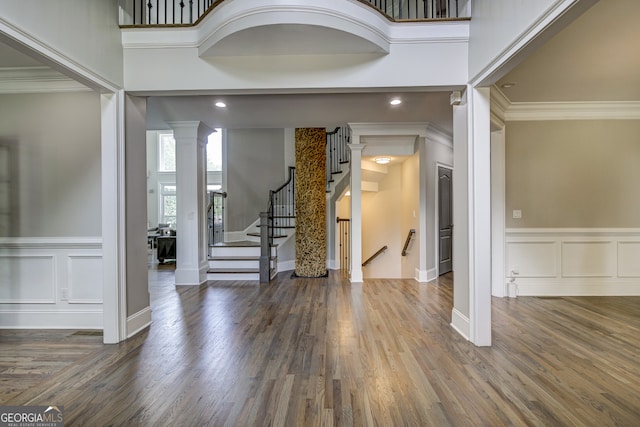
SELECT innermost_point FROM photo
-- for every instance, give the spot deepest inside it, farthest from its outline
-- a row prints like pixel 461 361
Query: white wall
pixel 382 225
pixel 410 218
pixel 255 161
pixel 51 261
pixel 84 33
pixel 58 142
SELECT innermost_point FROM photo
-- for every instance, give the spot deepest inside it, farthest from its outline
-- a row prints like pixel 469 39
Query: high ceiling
pixel 596 58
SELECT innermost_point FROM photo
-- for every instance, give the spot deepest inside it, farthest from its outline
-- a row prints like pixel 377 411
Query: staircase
pixel 240 260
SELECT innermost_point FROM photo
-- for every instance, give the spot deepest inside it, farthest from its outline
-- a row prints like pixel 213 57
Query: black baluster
pixel 182 11
pixel 191 11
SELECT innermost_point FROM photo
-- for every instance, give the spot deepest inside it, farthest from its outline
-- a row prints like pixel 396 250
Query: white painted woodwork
pixel 191 229
pixel 51 283
pixel 356 273
pixel 573 261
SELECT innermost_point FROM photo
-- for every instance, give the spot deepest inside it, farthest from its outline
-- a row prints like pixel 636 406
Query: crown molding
pixel 527 111
pixel 36 80
pixel 499 102
pixel 505 110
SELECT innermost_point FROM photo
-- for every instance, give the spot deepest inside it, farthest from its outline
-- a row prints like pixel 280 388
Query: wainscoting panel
pixel 561 262
pixel 51 283
pixel 27 279
pixel 85 279
pixel 588 259
pixel 533 259
pixel 629 259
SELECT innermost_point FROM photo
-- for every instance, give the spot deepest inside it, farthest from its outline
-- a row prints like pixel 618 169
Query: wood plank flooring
pixel 307 352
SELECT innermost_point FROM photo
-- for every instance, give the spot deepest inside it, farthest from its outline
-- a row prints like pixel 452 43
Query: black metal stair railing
pixel 141 13
pixel 165 12
pixel 215 217
pixel 282 208
pixel 338 152
pixel 419 9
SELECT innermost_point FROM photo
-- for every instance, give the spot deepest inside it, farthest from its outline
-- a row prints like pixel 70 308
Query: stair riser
pixel 235 251
pixel 233 264
pixel 233 276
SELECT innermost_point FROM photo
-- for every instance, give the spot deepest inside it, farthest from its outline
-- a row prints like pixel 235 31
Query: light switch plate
pixel 517 213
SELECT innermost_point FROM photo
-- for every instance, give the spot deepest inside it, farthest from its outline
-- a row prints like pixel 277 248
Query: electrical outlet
pixel 64 294
pixel 517 214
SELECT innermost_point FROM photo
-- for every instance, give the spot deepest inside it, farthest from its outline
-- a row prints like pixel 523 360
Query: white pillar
pixel 356 209
pixel 479 199
pixel 114 252
pixel 191 192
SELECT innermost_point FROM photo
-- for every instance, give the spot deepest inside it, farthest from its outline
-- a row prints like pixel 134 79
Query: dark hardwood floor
pixel 325 352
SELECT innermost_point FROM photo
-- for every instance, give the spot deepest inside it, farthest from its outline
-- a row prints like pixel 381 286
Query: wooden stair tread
pixel 279 236
pixel 237 258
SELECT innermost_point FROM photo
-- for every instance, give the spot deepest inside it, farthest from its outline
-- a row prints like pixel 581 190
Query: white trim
pixel 498 203
pixel 138 321
pixel 82 73
pixel 499 103
pixel 113 217
pixel 51 319
pixel 530 111
pixel 437 135
pixel 460 323
pixel 504 110
pixel 36 80
pixel 425 276
pixel 579 287
pixel 528 39
pixel 604 232
pixel 51 242
pixel 573 261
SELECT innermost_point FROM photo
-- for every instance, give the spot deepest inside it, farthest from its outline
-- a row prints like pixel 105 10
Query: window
pixel 214 151
pixel 167 152
pixel 168 205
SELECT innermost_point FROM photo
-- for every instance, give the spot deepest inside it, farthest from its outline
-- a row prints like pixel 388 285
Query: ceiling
pixel 596 58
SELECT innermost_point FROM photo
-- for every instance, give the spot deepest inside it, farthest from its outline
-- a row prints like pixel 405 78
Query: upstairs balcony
pixel 181 13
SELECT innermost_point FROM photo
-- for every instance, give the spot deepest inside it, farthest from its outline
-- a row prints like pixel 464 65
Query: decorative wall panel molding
pixel 563 262
pixel 51 283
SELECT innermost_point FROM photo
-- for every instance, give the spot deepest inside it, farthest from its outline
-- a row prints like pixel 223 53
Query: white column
pixel 479 199
pixel 191 192
pixel 114 253
pixel 356 209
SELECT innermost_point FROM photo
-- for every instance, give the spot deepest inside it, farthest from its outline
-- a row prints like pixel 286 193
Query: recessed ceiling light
pixel 507 85
pixel 382 160
pixel 220 104
pixel 395 101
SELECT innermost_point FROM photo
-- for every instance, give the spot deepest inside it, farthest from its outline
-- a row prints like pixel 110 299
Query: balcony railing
pixel 144 13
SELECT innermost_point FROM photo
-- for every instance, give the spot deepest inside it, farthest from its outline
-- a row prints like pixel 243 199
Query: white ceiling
pixel 596 58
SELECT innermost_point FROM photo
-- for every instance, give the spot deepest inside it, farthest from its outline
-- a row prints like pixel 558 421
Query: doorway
pixel 445 220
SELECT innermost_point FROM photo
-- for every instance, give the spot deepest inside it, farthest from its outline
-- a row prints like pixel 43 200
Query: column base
pixel 356 276
pixel 191 276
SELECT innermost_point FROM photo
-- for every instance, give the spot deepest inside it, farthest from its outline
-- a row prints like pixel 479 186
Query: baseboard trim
pixel 581 287
pixel 138 321
pixel 58 319
pixel 425 276
pixel 460 323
